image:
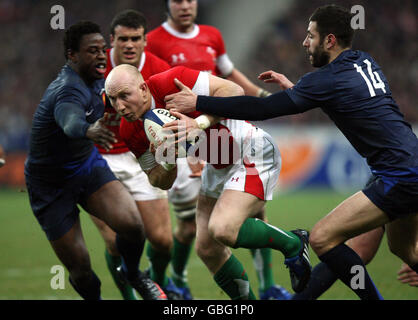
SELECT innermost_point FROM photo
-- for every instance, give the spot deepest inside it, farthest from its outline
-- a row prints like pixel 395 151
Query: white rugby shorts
pixel 127 169
pixel 184 188
pixel 256 173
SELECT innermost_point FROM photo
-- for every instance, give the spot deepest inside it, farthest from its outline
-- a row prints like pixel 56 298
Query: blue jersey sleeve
pixel 247 107
pixel 70 109
pixel 313 90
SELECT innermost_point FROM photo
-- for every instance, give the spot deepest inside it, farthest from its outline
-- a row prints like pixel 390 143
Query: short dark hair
pixel 129 18
pixel 74 33
pixel 336 20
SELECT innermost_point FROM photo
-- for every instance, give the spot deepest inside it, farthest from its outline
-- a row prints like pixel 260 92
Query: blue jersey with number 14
pixel 355 94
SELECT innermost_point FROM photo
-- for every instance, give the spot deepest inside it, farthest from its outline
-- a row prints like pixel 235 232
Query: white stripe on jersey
pixel 224 65
pixel 201 86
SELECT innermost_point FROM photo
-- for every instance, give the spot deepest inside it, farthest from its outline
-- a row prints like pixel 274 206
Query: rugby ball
pixel 153 122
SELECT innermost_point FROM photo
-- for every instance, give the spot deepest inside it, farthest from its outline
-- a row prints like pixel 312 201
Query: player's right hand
pixel 183 101
pixel 274 77
pixel 99 134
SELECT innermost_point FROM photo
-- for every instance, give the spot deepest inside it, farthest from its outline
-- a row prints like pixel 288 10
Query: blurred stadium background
pixel 320 168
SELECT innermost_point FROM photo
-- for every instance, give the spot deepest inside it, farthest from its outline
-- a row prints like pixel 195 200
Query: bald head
pixel 121 76
pixel 128 92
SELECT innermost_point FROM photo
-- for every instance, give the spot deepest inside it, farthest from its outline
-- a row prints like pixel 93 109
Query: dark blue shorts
pixel 55 204
pixel 396 198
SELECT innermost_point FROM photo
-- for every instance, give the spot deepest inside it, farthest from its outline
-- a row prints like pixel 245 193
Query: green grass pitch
pixel 27 258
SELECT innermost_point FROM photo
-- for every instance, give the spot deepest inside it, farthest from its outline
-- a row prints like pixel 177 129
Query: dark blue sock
pixel 415 267
pixel 131 253
pixel 89 290
pixel 321 279
pixel 350 269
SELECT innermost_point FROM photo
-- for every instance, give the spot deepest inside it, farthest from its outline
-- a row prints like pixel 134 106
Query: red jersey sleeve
pixel 162 84
pixel 153 65
pixel 133 134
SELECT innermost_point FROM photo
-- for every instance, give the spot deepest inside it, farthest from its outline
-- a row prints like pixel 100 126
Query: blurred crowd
pixel 32 54
pixel 390 36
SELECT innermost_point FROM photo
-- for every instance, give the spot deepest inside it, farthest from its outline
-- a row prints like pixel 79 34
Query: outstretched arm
pixel 236 106
pixel 248 108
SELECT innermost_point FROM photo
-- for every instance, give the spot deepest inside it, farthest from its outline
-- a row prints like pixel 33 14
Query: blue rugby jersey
pixel 353 91
pixel 58 145
pixel 355 94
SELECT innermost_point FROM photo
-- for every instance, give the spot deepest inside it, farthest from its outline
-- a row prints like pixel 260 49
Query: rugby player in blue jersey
pixel 350 87
pixel 64 168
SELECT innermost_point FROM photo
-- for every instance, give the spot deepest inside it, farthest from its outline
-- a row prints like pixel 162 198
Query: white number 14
pixel 379 84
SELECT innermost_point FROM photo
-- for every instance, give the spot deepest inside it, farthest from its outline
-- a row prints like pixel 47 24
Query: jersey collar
pixel 182 35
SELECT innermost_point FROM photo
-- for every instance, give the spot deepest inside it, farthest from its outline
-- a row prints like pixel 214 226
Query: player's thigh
pixel 231 210
pixel 113 204
pixel 402 235
pixel 367 244
pixel 157 223
pixel 352 217
pixel 72 251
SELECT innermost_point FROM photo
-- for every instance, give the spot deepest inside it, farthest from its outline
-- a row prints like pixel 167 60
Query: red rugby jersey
pixel 148 66
pixel 161 85
pixel 201 49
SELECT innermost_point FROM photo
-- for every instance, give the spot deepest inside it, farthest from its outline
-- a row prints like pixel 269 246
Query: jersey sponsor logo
pixel 212 52
pixel 178 58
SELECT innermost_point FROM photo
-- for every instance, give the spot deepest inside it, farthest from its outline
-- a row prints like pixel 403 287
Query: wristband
pixel 263 93
pixel 168 166
pixel 203 122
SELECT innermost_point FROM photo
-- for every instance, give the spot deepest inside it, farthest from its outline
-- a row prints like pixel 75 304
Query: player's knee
pixel 222 232
pixel 185 231
pixel 205 251
pixel 319 239
pixel 80 270
pixel 161 240
pixel 132 228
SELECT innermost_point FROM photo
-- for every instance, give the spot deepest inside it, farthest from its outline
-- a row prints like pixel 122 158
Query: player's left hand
pixel 274 77
pixel 183 101
pixel 408 276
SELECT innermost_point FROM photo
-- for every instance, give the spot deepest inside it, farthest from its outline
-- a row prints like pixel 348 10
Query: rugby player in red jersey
pixel 182 42
pixel 235 185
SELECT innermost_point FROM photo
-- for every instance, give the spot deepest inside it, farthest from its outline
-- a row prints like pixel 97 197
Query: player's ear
pixel 112 39
pixel 72 55
pixel 143 88
pixel 330 41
